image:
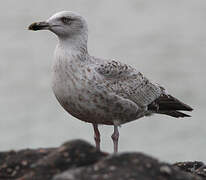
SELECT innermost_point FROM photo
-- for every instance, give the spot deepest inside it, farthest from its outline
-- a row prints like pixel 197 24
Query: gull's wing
pixel 129 83
pixel 114 69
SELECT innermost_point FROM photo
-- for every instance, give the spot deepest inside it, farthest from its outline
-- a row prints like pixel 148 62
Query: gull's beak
pixel 39 26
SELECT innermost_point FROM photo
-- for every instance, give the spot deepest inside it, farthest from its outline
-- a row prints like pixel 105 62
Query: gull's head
pixel 64 24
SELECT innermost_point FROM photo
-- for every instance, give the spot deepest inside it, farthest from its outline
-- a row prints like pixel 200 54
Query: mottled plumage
pixel 101 91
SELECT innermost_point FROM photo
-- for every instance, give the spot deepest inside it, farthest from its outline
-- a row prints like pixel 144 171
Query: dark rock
pixel 71 154
pixel 14 164
pixel 42 164
pixel 127 166
pixel 196 167
pixel 80 161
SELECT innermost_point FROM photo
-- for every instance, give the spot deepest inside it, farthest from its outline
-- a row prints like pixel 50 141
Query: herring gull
pixel 101 91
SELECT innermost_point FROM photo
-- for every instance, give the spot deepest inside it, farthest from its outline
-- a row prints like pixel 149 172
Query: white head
pixel 66 25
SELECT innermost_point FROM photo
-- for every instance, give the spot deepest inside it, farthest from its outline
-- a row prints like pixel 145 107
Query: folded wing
pixel 129 83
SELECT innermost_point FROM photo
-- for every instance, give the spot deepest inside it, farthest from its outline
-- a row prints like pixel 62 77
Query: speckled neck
pixel 74 44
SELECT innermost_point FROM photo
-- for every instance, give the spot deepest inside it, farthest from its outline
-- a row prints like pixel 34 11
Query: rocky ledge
pixel 78 160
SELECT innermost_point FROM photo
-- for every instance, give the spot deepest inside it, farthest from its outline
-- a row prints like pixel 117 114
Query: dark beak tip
pixel 38 26
pixel 33 27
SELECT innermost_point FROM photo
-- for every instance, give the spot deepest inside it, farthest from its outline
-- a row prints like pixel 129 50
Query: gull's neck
pixel 76 45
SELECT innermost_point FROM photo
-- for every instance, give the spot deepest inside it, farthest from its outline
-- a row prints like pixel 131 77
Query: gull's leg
pixel 115 137
pixel 96 136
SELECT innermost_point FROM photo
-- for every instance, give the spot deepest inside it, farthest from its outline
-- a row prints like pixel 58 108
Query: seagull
pixel 101 91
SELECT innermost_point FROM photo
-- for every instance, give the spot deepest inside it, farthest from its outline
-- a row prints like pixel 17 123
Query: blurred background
pixel 164 39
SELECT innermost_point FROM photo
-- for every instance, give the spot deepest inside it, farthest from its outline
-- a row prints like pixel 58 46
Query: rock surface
pixel 127 166
pixel 196 167
pixel 78 160
pixel 43 164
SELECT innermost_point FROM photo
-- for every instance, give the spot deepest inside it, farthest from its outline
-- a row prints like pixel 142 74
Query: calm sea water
pixel 165 40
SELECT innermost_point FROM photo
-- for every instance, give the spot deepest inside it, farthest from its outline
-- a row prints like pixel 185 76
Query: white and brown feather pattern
pixel 129 83
pixel 114 69
pixel 104 91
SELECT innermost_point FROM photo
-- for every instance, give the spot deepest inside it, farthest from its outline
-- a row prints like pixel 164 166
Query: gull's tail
pixel 169 105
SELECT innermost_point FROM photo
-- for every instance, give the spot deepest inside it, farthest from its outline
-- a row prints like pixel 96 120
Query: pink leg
pixel 96 136
pixel 115 137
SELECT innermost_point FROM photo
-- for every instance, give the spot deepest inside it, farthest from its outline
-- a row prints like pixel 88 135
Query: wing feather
pixel 129 83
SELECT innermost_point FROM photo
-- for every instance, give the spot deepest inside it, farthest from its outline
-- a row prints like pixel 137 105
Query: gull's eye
pixel 66 20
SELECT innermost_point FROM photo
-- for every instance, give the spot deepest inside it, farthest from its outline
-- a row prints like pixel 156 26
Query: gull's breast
pixel 76 88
